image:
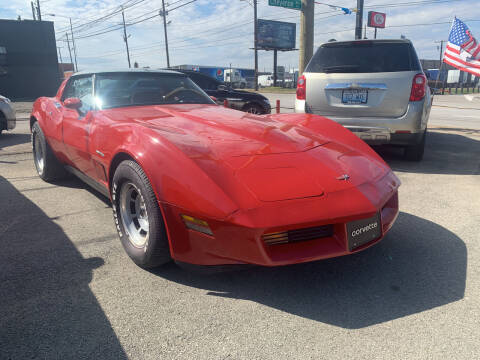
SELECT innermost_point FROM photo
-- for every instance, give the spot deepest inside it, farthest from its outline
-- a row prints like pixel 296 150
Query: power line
pixel 194 36
pixel 117 10
pixel 115 28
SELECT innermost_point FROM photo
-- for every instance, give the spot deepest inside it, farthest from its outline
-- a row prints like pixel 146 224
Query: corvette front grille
pixel 305 234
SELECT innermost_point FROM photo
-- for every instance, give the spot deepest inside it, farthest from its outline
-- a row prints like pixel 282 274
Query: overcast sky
pixel 216 32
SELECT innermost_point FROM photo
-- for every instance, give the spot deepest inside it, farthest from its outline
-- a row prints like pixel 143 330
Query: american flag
pixel 463 50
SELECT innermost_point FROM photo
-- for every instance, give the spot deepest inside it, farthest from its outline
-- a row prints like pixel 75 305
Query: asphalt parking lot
pixel 68 290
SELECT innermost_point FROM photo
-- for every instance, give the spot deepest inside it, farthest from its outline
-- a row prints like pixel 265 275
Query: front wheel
pixel 415 152
pixel 138 218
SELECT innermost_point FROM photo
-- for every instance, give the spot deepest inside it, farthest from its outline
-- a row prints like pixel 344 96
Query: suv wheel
pixel 415 152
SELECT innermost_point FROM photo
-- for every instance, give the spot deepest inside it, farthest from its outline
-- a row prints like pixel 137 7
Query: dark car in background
pixel 240 100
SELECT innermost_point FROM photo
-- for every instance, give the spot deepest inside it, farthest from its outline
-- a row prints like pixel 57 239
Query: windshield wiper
pixel 339 68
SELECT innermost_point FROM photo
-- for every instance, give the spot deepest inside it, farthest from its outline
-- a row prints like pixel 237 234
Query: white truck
pixel 235 78
pixel 265 80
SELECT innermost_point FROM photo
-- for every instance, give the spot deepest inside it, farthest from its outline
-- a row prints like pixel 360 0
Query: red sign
pixel 376 19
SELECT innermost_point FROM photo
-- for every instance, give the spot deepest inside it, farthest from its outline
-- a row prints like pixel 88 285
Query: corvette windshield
pixel 132 89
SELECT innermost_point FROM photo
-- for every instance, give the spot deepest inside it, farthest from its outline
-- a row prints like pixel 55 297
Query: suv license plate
pixel 355 96
pixel 362 231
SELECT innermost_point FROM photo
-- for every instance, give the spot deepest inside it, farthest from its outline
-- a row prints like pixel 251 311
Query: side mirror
pixel 73 103
pixel 222 88
pixel 214 98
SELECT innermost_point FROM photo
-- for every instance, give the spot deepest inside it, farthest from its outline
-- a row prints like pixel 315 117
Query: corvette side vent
pixel 290 236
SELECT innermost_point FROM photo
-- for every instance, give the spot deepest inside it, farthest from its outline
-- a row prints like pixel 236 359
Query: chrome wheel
pixel 133 212
pixel 38 153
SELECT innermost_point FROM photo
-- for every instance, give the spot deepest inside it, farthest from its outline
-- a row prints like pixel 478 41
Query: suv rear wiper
pixel 340 68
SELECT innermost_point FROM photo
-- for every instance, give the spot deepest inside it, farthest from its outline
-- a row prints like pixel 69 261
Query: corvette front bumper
pixel 238 239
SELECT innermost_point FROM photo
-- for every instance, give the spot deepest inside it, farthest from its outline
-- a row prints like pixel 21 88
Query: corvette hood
pixel 258 158
pixel 216 132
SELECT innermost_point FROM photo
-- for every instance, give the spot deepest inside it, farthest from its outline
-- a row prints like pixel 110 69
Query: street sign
pixel 289 4
pixel 277 35
pixel 376 19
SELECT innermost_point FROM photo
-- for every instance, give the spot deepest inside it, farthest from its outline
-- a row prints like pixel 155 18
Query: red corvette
pixel 202 184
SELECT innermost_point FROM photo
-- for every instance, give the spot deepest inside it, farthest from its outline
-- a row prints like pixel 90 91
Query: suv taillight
pixel 301 88
pixel 419 85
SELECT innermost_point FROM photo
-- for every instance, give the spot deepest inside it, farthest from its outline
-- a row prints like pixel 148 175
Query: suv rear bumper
pixel 378 136
pixel 404 130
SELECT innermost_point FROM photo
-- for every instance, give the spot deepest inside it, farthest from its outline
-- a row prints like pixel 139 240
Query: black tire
pixel 3 122
pixel 155 251
pixel 254 109
pixel 415 152
pixel 47 165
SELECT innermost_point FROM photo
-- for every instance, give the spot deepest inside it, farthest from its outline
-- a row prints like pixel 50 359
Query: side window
pixel 80 87
pixel 68 91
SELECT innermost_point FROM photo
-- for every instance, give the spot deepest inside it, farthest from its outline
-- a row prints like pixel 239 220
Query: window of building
pixel 3 56
pixel 3 60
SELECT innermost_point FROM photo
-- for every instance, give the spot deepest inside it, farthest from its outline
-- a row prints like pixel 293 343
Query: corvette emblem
pixel 344 177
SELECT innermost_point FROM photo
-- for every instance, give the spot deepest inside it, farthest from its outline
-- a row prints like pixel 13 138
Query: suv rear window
pixel 363 57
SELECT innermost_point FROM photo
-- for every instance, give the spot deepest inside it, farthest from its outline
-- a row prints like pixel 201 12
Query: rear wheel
pixel 47 165
pixel 415 152
pixel 138 217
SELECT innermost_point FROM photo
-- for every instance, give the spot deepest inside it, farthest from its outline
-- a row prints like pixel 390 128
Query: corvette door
pixel 76 123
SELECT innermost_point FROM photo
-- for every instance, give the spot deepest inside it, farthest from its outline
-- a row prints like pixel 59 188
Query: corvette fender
pixel 175 178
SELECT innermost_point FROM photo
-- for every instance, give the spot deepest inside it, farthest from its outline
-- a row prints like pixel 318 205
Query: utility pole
pixel 306 34
pixel 39 14
pixel 125 38
pixel 359 20
pixel 73 44
pixel 33 10
pixel 164 15
pixel 255 31
pixel 69 50
pixel 441 48
pixel 60 53
pixel 274 67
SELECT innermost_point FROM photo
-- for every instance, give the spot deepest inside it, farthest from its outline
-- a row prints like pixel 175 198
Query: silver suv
pixel 375 88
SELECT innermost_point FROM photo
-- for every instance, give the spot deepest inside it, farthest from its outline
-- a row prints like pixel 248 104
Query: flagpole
pixel 442 55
